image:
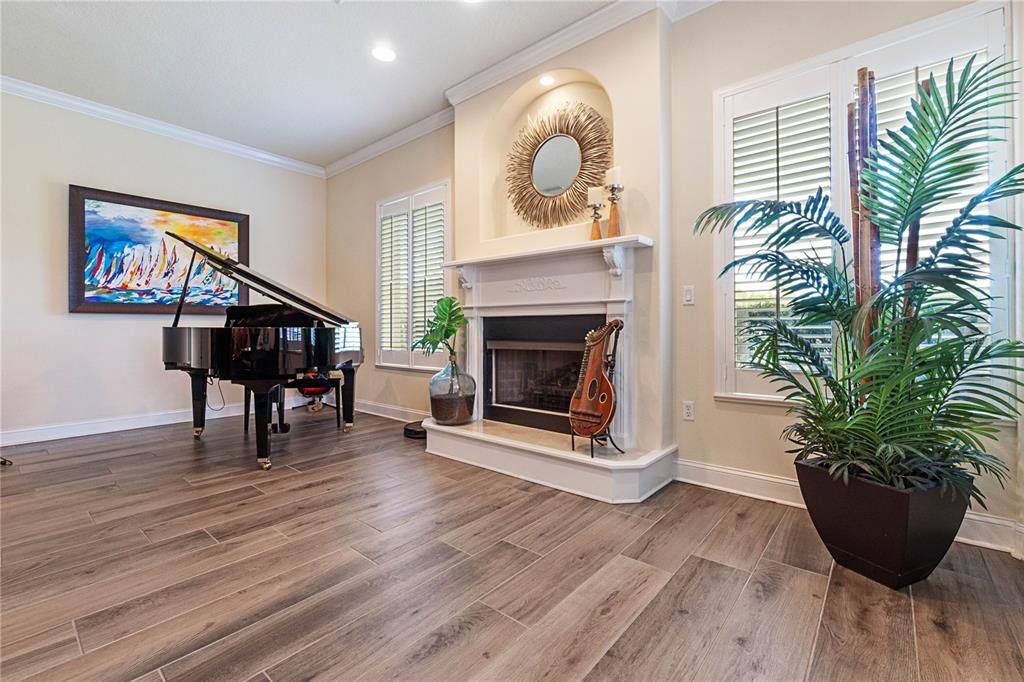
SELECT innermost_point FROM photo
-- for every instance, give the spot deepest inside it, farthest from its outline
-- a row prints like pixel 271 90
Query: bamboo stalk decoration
pixel 854 168
pixel 867 257
pixel 914 230
pixel 913 233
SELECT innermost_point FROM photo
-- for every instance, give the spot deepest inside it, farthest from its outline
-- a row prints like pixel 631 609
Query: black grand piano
pixel 266 348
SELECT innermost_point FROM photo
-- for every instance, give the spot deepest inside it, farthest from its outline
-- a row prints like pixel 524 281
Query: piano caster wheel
pixel 196 432
pixel 346 428
pixel 264 464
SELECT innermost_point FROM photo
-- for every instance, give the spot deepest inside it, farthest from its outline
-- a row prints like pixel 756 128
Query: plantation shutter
pixel 428 220
pixel 411 252
pixel 895 94
pixel 393 323
pixel 781 153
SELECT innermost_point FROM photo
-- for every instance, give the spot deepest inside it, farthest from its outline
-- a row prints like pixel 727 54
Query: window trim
pixel 417 362
pixel 989 23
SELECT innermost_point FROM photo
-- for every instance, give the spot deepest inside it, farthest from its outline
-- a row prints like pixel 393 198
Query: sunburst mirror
pixel 554 160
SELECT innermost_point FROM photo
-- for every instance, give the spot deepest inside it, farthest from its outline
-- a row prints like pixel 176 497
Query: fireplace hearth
pixel 531 366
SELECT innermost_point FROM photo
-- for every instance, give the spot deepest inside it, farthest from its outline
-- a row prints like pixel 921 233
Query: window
pixel 411 238
pixel 783 137
pixel 782 153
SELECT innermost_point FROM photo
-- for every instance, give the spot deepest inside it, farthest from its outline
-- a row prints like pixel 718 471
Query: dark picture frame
pixel 77 251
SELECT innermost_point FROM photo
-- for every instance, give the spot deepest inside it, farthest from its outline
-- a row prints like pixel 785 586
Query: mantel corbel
pixel 613 257
pixel 466 277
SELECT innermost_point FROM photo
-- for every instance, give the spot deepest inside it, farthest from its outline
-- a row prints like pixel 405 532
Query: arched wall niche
pixel 530 100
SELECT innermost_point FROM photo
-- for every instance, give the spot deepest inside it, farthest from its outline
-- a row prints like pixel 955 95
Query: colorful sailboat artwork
pixel 129 259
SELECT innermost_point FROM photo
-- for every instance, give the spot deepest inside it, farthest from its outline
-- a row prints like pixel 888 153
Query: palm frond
pixel 791 222
pixel 936 155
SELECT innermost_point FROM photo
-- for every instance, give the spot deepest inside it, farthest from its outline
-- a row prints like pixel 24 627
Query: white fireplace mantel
pixel 610 245
pixel 587 278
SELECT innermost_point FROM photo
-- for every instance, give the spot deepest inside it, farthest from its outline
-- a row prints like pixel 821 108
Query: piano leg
pixel 336 385
pixel 282 426
pixel 262 401
pixel 248 406
pixel 348 397
pixel 198 378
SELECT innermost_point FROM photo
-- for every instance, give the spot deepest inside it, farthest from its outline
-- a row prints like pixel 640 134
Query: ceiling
pixel 291 78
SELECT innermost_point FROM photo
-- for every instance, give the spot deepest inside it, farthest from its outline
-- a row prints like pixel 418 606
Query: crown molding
pixel 403 136
pixel 63 100
pixel 587 28
pixel 680 9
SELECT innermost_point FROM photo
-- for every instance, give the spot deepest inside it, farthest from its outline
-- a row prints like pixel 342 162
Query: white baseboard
pixel 402 414
pixel 41 434
pixel 984 530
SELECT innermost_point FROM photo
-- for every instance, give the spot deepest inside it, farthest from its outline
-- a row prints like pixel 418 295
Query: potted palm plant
pixel 892 426
pixel 452 391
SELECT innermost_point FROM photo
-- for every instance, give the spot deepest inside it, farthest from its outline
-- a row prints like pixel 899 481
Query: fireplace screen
pixel 531 364
pixel 534 376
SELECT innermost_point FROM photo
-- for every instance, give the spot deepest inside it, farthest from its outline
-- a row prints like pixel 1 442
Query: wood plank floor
pixel 147 555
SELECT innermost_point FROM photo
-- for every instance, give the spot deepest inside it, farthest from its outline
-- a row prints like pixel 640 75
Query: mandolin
pixel 593 403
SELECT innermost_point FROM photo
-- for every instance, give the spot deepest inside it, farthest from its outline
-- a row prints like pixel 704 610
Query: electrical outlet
pixel 689 413
pixel 689 297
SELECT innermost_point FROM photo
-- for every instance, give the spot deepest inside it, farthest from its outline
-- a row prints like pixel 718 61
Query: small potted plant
pixel 452 391
pixel 894 417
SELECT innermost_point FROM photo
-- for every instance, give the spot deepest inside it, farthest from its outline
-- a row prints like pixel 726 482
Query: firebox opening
pixel 531 366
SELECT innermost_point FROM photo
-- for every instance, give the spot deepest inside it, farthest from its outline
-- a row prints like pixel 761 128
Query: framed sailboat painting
pixel 121 261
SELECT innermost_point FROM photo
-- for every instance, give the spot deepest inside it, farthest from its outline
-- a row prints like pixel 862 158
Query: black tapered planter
pixel 895 537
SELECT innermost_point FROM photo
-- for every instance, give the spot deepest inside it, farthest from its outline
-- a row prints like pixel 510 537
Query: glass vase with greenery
pixel 917 382
pixel 452 391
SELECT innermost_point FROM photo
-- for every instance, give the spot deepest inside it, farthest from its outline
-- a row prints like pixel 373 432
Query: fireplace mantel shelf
pixel 629 241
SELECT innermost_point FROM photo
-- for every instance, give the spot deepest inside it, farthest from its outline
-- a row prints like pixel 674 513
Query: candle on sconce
pixel 613 183
pixel 595 199
pixel 613 176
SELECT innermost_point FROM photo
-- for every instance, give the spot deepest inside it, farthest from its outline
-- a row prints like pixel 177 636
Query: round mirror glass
pixel 555 165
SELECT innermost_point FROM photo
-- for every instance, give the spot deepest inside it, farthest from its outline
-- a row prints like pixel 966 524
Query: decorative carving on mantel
pixel 465 278
pixel 536 284
pixel 613 257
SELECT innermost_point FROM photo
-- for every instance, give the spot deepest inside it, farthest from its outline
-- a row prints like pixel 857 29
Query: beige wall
pixel 59 368
pixel 352 198
pixel 728 43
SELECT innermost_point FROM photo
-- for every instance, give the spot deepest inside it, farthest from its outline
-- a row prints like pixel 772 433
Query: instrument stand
pixel 602 439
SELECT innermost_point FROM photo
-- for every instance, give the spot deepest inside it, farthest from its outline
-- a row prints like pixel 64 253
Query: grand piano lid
pixel 243 274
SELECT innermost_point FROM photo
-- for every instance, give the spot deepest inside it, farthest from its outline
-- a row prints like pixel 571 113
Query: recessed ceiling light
pixel 383 52
pixel 547 80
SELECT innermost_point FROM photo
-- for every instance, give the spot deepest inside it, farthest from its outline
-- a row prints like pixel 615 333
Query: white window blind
pixel 427 258
pixel 411 250
pixel 781 153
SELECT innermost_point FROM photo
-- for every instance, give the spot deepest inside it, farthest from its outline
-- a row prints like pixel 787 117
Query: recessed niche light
pixel 383 53
pixel 547 81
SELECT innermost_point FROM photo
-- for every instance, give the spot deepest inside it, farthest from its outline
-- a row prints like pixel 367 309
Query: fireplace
pixel 531 366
